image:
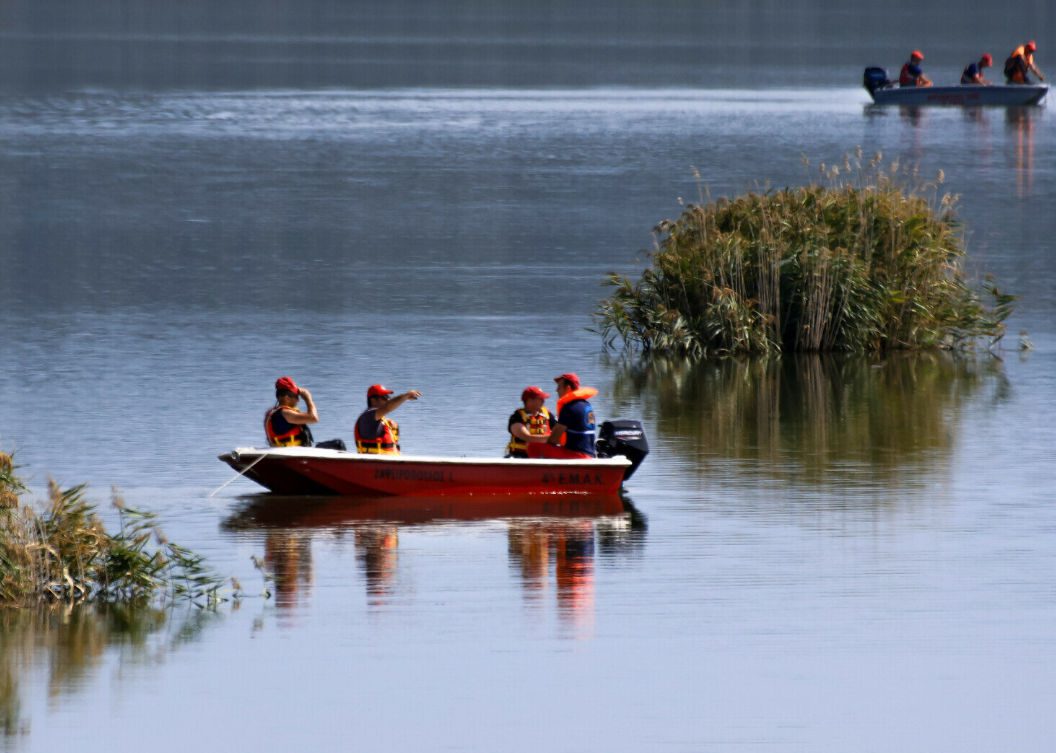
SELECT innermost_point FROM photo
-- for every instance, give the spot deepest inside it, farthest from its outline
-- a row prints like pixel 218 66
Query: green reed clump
pixel 64 552
pixel 857 263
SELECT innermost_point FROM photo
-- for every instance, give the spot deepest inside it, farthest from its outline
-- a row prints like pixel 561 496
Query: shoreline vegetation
pixel 869 259
pixel 64 554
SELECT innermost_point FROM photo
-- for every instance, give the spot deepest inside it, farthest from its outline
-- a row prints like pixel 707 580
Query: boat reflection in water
pixel 1020 120
pixel 556 537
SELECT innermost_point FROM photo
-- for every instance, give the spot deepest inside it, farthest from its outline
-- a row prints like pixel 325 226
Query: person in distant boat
pixel 533 420
pixel 285 425
pixel 574 433
pixel 912 74
pixel 1021 63
pixel 376 433
pixel 973 72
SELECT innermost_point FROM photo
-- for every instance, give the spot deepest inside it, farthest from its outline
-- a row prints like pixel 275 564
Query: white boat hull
pixel 962 95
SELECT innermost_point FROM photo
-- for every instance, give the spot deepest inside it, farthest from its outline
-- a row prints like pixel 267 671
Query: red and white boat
pixel 310 470
pixel 621 448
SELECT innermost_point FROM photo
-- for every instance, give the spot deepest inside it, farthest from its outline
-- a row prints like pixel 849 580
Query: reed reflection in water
pixel 558 536
pixel 64 648
pixel 816 420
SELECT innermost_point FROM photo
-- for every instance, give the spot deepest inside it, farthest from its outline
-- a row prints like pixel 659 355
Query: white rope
pixel 237 475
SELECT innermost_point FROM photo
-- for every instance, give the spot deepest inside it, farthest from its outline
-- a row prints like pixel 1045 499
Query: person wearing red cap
pixel 973 72
pixel 1020 63
pixel 284 424
pixel 533 420
pixel 574 433
pixel 912 74
pixel 376 433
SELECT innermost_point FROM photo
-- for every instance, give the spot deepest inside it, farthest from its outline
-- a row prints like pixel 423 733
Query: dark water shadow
pixel 571 531
pixel 70 645
pixel 816 421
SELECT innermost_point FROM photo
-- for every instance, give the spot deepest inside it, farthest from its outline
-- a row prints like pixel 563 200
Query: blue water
pixel 837 557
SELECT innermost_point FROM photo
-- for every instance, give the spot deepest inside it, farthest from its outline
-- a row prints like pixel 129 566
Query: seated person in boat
pixel 376 433
pixel 574 433
pixel 1021 63
pixel 912 74
pixel 973 72
pixel 531 420
pixel 285 425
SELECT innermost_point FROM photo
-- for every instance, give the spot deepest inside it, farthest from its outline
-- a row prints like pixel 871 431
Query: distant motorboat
pixel 885 92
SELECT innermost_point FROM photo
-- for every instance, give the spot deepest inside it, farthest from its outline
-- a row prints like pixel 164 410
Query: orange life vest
pixel 537 425
pixel 386 443
pixel 1016 72
pixel 583 393
pixel 298 436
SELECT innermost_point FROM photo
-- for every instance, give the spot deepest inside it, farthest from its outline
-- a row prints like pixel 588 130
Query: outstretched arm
pixel 396 402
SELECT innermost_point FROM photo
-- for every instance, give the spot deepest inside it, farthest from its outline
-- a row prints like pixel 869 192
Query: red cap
pixel 287 383
pixel 1031 46
pixel 377 390
pixel 986 60
pixel 569 377
pixel 917 54
pixel 533 391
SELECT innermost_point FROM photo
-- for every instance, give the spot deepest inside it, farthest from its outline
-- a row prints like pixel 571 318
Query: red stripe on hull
pixel 323 472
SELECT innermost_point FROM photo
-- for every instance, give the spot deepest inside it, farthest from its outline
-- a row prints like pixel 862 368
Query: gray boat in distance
pixel 886 92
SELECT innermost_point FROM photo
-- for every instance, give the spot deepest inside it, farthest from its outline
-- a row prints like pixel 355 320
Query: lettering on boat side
pixel 410 474
pixel 577 479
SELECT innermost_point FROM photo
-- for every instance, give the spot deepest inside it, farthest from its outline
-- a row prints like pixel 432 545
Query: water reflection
pixel 62 648
pixel 817 420
pixel 288 556
pixel 568 548
pixel 1020 121
pixel 548 536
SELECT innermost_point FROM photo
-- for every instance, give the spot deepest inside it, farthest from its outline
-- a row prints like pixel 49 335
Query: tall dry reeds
pixel 64 553
pixel 869 259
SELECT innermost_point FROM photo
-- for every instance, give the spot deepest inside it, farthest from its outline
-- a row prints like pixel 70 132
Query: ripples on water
pixel 819 553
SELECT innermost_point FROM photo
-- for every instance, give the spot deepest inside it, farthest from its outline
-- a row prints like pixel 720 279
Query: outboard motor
pixel 623 437
pixel 875 78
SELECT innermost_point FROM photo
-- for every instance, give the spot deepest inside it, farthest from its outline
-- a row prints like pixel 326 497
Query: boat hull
pixel 962 95
pixel 309 470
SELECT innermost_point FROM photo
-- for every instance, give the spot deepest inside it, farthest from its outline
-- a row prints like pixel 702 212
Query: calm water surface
pixel 819 555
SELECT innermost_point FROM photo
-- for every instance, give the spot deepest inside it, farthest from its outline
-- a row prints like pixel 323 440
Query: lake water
pixel 818 555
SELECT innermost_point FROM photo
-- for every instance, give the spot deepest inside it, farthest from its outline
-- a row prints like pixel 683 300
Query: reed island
pixel 867 258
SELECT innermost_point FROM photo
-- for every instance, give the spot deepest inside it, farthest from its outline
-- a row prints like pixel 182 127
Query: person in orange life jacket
pixel 376 433
pixel 531 420
pixel 284 424
pixel 973 72
pixel 912 74
pixel 573 435
pixel 1020 63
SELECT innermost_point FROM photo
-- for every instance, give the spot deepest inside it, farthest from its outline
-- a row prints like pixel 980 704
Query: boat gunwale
pixel 250 454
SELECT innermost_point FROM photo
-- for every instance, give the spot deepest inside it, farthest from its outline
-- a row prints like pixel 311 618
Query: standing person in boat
pixel 973 72
pixel 285 425
pixel 376 433
pixel 574 433
pixel 912 74
pixel 531 420
pixel 1020 63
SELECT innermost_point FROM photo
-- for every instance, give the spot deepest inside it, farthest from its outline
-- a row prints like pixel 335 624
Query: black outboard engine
pixel 623 437
pixel 875 78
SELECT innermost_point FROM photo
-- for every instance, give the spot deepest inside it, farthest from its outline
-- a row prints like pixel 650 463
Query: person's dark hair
pixel 283 393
